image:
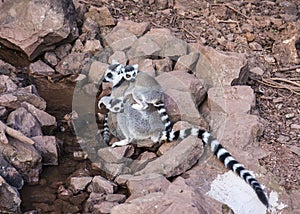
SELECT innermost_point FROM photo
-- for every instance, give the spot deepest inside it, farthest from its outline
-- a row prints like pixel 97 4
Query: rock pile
pixel 134 178
pixel 23 142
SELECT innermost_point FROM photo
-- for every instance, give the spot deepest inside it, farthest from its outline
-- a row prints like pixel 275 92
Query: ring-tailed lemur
pixel 143 87
pixel 130 120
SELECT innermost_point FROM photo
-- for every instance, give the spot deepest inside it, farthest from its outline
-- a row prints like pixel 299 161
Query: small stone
pixel 295 126
pixel 249 36
pixel 97 71
pixel 79 183
pixel 51 58
pixel 119 198
pixel 255 46
pixel 101 185
pixel 92 46
pixel 41 68
pixel 100 15
pixel 137 29
pixel 104 207
pixel 119 56
pixel 289 116
pixel 269 59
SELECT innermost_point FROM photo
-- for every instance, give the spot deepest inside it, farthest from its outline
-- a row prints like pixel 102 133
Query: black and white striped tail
pixel 106 133
pixel 222 154
pixel 160 106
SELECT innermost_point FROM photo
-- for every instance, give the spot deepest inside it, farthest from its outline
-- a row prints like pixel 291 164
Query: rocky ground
pixel 191 47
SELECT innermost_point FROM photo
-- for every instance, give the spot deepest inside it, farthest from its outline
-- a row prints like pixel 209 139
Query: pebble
pixel 289 116
pixel 295 126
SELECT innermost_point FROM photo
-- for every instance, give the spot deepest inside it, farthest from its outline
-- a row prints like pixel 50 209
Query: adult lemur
pixel 135 123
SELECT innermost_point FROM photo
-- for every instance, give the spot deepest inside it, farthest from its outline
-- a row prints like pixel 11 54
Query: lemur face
pixel 130 72
pixel 113 73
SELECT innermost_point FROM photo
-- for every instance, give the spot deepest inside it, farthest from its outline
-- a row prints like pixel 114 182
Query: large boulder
pixel 33 27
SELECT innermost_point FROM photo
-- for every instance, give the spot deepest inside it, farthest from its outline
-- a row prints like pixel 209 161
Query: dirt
pixel 251 27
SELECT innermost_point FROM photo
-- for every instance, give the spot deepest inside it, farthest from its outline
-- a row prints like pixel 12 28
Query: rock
pixel 45 119
pixel 47 146
pixel 256 73
pixel 3 113
pixel 177 160
pixel 137 28
pixel 187 62
pixel 10 174
pixel 24 158
pixel 144 184
pixel 255 46
pixel 161 4
pixel 112 170
pixel 145 65
pixel 100 15
pixel 51 58
pixel 119 56
pixel 285 49
pixel 165 147
pixel 6 84
pixel 116 154
pixel 91 28
pixel 9 198
pixel 181 106
pixel 92 46
pixel 79 198
pixel 179 198
pixel 151 203
pixel 6 68
pixel 143 48
pixel 94 198
pixel 231 99
pixel 78 184
pixel 41 68
pixel 25 122
pixel 104 207
pixel 120 39
pixel 72 63
pixel 101 185
pixel 14 99
pixel 119 198
pixel 63 50
pixel 184 82
pixel 29 33
pixel 219 68
pixel 97 71
pixel 163 65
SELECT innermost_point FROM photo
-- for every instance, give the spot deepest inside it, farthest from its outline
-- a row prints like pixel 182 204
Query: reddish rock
pixel 116 154
pixel 41 68
pixel 137 28
pixel 9 198
pixel 102 185
pixel 79 183
pixel 47 146
pixel 31 34
pixel 100 15
pixel 187 62
pixel 6 84
pixel 144 184
pixel 103 207
pixel 176 160
pixel 120 39
pixel 219 68
pixel 231 99
pixel 118 56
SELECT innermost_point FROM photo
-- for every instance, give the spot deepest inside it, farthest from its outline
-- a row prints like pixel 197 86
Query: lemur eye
pixel 109 75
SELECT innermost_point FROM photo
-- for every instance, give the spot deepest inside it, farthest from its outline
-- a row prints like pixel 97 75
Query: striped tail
pixel 106 133
pixel 160 106
pixel 222 154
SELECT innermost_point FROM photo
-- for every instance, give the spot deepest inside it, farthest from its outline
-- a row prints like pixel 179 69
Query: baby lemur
pixel 135 121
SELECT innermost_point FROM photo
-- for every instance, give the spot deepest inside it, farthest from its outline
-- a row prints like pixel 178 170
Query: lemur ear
pixel 135 66
pixel 114 62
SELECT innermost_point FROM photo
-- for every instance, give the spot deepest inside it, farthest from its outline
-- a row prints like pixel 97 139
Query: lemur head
pixel 113 73
pixel 130 72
